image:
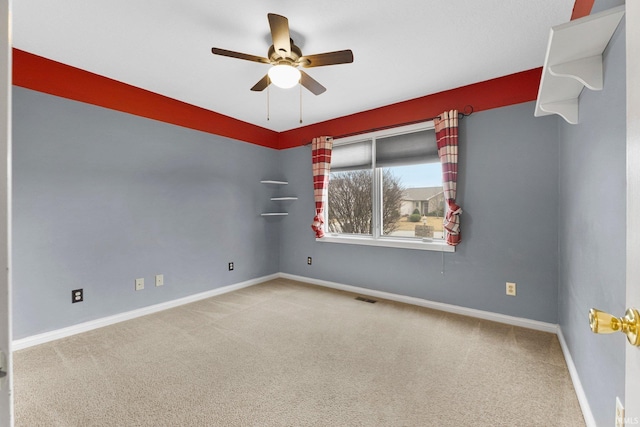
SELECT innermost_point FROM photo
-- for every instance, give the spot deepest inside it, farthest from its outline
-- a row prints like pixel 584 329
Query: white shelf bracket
pixel 587 71
pixel 568 109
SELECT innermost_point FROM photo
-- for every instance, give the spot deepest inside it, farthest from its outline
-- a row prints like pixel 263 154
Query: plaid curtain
pixel 447 137
pixel 321 159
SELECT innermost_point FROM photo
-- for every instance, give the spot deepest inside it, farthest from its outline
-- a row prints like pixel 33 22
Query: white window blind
pixel 397 150
pixel 352 156
pixel 407 149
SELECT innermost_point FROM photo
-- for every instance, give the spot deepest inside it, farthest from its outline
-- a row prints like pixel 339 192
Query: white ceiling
pixel 402 49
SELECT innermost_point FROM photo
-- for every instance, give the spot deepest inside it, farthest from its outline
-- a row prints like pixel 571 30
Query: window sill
pixel 435 245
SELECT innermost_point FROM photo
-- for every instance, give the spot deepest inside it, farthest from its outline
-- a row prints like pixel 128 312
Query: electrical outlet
pixel 139 284
pixel 619 413
pixel 77 295
pixel 159 279
pixel 511 289
pixel 309 260
pixel 231 266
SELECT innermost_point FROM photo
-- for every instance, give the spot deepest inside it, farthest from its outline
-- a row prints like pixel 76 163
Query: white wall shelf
pixel 278 198
pixel 574 61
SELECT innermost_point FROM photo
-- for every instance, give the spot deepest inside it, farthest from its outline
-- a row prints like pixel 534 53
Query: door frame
pixel 632 353
pixel 6 383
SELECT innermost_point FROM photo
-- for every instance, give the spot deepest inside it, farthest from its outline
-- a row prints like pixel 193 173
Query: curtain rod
pixel 467 111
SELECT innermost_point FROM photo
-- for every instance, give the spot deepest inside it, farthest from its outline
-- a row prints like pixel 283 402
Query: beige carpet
pixel 288 354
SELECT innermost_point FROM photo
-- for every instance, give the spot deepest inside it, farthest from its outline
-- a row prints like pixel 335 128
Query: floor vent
pixel 372 301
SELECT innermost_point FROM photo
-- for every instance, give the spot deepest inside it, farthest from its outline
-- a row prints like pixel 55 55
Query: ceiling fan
pixel 285 58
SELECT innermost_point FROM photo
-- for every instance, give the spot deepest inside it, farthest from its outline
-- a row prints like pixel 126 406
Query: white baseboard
pixel 450 308
pixel 121 317
pixel 577 384
pixel 487 315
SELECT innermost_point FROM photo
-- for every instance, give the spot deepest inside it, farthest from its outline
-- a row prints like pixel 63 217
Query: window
pixel 385 189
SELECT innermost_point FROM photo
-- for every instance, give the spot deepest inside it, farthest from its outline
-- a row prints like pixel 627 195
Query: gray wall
pixel 508 189
pixel 102 197
pixel 592 232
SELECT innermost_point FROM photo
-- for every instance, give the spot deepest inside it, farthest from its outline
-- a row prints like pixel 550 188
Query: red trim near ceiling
pixel 581 8
pixel 495 93
pixel 35 72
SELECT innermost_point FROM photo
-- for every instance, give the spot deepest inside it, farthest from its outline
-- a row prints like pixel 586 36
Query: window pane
pixel 413 201
pixel 350 202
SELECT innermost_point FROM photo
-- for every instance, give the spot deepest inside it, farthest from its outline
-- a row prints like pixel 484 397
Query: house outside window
pixel 385 189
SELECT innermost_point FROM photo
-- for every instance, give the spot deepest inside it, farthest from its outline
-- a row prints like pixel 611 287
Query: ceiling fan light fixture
pixel 284 76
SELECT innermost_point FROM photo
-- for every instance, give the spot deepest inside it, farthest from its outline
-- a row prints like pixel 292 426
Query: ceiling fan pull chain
pixel 300 102
pixel 267 103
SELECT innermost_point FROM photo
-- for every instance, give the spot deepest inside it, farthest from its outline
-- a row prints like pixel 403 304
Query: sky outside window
pixel 415 176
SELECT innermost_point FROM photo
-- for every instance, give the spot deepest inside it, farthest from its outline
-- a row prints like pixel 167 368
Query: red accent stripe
pixel 581 8
pixel 44 75
pixel 495 93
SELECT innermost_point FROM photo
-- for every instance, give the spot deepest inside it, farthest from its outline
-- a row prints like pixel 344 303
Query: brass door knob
pixel 604 323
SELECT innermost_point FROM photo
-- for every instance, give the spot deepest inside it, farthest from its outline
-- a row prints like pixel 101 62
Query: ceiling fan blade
pixel 329 58
pixel 239 55
pixel 262 84
pixel 307 81
pixel 280 34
